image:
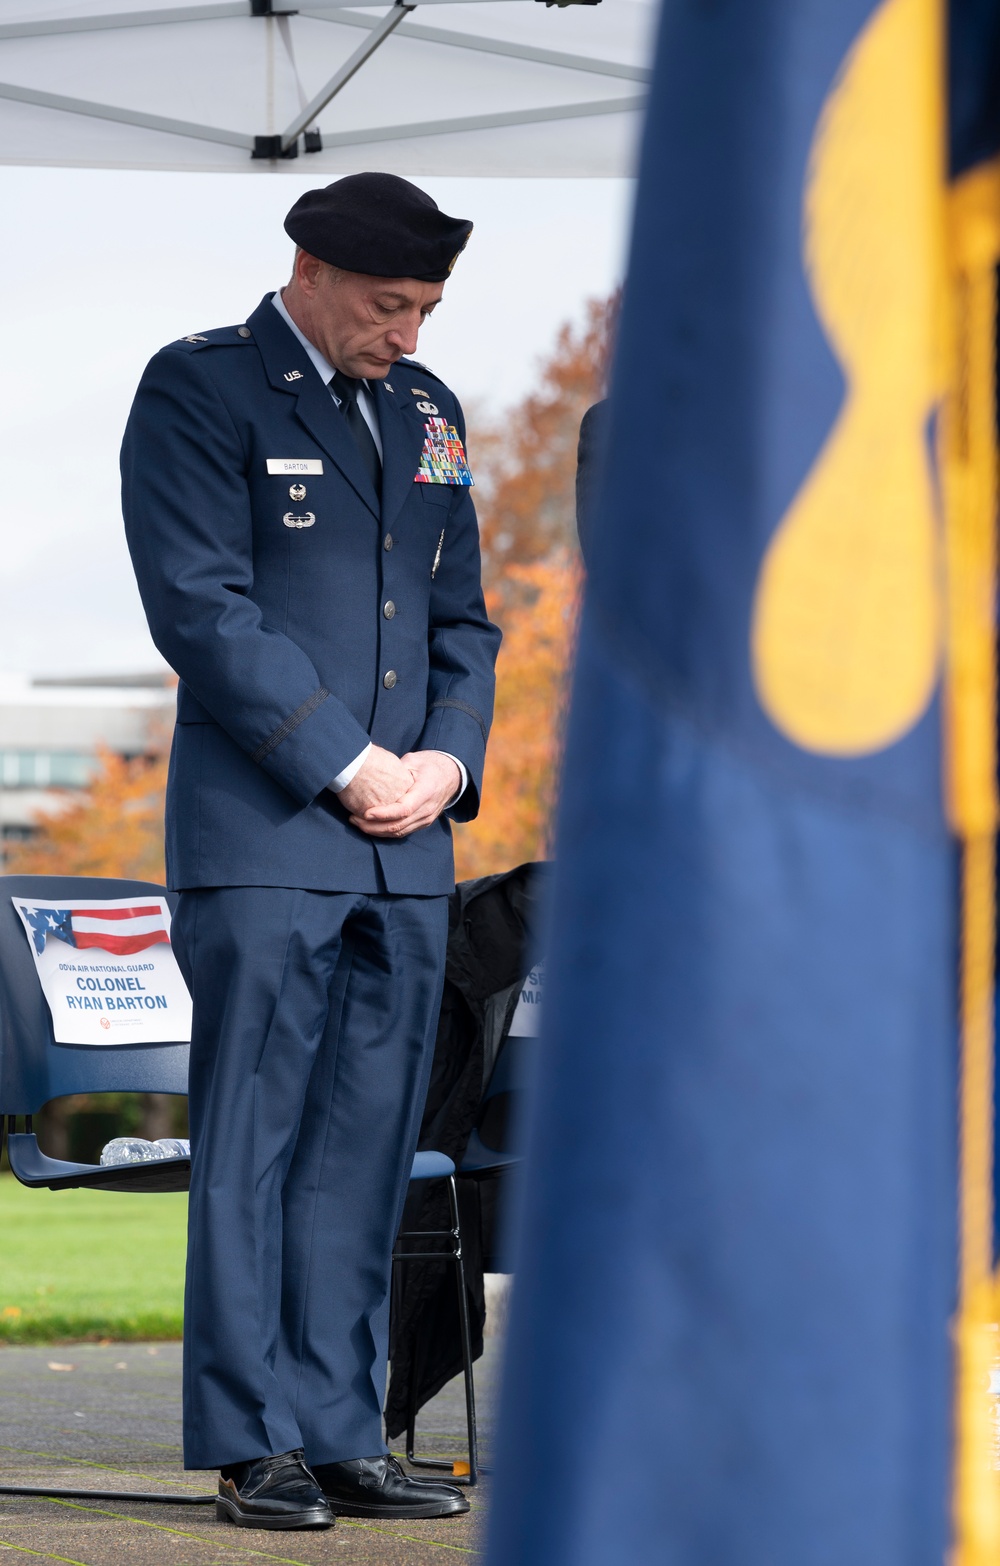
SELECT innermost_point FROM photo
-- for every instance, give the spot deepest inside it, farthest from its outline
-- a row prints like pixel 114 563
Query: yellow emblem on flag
pixel 860 598
pixel 847 615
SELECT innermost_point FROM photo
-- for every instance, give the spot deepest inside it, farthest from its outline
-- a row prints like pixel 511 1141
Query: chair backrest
pixel 498 1123
pixel 33 1067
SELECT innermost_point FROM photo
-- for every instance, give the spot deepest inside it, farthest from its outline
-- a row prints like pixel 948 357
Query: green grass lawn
pixel 89 1265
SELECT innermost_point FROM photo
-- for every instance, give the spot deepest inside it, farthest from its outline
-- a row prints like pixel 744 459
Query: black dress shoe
pixel 272 1492
pixel 378 1487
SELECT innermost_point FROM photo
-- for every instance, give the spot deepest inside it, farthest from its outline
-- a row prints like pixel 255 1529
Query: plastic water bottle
pixel 136 1150
pixel 129 1150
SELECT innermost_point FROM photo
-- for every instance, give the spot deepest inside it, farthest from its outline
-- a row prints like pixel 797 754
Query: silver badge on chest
pixel 297 492
pixel 306 519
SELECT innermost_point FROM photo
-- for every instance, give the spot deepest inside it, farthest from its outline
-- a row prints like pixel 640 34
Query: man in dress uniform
pixel 297 507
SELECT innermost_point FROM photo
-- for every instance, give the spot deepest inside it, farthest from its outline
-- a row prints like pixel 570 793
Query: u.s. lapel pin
pixel 293 375
pixel 387 386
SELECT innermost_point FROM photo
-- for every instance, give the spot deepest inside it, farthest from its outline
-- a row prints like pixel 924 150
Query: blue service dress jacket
pixel 303 615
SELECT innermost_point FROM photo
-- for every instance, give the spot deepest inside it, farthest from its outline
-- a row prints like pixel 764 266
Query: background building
pixel 52 731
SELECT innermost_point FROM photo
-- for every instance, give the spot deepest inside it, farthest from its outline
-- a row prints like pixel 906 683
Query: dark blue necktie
pixel 347 391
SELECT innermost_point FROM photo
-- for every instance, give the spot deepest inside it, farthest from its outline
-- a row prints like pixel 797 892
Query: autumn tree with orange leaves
pixel 525 469
pixel 522 761
pixel 525 462
pixel 114 828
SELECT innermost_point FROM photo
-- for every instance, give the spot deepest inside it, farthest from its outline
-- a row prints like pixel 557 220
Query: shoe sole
pixel 402 1513
pixel 313 1518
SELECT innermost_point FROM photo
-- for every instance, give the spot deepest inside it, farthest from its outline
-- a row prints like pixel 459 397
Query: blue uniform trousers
pixel 314 1023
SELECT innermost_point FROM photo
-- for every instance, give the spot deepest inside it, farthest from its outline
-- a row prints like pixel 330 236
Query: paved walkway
pixel 108 1416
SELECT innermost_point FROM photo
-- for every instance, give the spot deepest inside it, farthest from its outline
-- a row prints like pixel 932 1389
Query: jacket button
pixel 389 679
pixel 243 331
pixel 387 541
pixel 389 609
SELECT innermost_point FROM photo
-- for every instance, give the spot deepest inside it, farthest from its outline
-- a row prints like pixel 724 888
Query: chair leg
pixel 465 1333
pixel 411 1411
pixel 463 1318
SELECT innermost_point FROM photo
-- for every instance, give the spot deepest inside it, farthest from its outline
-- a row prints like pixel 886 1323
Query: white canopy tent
pixel 470 87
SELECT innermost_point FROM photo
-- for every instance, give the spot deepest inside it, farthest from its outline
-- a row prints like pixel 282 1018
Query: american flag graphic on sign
pixel 122 931
pixel 107 968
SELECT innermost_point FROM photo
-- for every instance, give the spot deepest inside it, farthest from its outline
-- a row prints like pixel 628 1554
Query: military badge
pixel 442 460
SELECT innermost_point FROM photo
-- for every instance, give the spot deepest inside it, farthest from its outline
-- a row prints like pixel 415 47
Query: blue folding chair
pixel 35 1069
pixel 493 1146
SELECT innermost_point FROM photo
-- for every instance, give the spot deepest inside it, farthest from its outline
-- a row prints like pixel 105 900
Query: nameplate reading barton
pixel 284 465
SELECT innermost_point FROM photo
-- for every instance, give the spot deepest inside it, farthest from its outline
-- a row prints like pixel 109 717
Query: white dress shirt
pixel 325 371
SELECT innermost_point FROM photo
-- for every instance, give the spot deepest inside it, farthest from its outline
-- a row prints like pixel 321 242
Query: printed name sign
pixel 107 970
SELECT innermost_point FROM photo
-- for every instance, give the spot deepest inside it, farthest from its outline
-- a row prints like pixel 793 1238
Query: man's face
pixel 362 325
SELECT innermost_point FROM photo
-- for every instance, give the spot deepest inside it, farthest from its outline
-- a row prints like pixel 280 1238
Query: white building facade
pixel 52 731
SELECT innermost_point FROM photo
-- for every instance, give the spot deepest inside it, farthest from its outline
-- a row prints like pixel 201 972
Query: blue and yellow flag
pixel 763 1128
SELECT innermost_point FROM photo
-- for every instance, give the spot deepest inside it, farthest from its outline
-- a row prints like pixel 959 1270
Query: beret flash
pixel 378 224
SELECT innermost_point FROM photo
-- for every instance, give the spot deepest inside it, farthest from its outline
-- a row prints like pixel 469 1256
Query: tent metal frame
pixel 286 143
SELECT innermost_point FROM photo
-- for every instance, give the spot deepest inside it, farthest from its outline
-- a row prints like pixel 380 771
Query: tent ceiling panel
pixel 503 87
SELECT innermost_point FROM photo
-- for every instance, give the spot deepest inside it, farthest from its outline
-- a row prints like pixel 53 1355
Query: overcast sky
pixel 101 268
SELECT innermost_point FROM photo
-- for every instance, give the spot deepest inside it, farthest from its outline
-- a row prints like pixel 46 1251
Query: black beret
pixel 378 224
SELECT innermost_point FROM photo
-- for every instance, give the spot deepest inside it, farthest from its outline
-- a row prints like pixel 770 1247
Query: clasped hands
pixel 392 796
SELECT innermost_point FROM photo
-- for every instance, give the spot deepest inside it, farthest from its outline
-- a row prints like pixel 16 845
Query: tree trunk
pixel 156 1117
pixel 53 1128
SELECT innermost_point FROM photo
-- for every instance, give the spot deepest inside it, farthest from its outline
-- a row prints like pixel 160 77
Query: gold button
pixel 389 609
pixel 243 331
pixel 389 679
pixel 387 541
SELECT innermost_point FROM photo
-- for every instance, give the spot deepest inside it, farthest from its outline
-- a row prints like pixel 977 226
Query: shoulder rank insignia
pixel 442 460
pixel 194 338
